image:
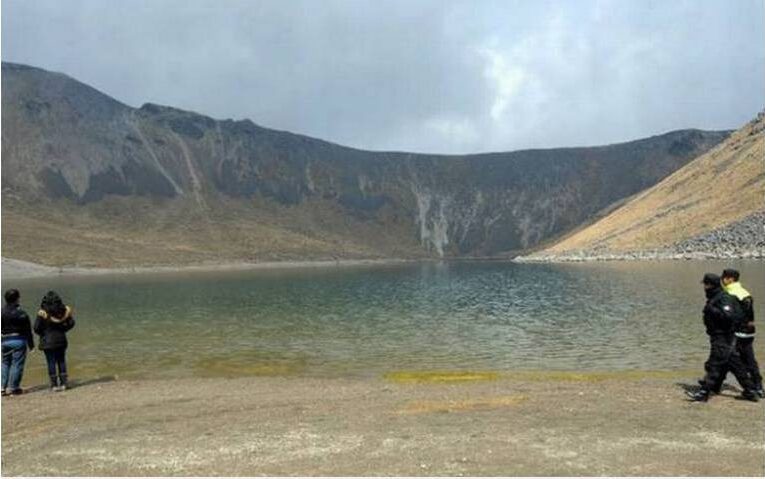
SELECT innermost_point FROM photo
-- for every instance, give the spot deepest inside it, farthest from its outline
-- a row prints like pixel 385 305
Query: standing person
pixel 744 330
pixel 53 321
pixel 720 313
pixel 16 338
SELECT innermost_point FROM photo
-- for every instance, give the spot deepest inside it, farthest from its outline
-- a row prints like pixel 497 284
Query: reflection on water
pixel 464 316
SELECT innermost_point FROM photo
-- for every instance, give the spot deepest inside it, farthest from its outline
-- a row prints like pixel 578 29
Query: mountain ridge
pixel 69 148
pixel 150 104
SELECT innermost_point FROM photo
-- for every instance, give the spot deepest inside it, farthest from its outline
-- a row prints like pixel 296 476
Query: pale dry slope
pixel 720 187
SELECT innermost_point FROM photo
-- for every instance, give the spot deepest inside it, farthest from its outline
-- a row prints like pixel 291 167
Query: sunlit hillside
pixel 722 186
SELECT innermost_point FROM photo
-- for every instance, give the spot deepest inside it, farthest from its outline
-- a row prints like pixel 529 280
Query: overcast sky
pixel 415 75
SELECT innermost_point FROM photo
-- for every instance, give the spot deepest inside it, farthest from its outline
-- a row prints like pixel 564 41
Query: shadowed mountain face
pixel 69 148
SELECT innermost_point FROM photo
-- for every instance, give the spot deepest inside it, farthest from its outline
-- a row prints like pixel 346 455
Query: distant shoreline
pixel 17 269
pixel 14 269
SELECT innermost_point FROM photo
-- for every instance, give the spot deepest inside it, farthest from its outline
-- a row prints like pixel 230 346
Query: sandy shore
pixel 17 269
pixel 508 424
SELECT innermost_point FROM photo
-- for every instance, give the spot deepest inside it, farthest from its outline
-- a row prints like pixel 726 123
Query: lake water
pixel 367 321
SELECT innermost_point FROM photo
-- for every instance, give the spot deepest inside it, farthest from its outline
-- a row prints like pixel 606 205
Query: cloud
pixel 428 76
pixel 504 78
pixel 460 131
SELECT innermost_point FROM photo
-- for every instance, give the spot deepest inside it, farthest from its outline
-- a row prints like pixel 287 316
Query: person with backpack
pixel 720 313
pixel 744 330
pixel 54 319
pixel 16 338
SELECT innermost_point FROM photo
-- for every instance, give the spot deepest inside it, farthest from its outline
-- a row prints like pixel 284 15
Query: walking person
pixel 53 321
pixel 744 330
pixel 16 338
pixel 720 313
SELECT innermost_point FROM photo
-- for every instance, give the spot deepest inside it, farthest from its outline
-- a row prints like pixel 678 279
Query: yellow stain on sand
pixel 440 376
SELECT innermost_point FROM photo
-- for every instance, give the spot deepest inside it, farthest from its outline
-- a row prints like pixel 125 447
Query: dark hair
pixel 711 279
pixel 53 304
pixel 730 273
pixel 12 296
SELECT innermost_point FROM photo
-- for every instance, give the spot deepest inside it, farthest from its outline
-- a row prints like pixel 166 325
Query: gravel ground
pixel 743 239
pixel 737 239
pixel 559 424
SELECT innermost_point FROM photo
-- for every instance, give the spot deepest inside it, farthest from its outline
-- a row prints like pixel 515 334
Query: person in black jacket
pixel 16 338
pixel 744 330
pixel 53 321
pixel 721 312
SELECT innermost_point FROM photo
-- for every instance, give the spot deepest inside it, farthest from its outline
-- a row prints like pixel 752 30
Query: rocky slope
pixel 714 207
pixel 88 180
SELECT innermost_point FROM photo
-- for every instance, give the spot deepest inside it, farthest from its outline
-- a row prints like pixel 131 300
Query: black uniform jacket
pixel 747 326
pixel 721 313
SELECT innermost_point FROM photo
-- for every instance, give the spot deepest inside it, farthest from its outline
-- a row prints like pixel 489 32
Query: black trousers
pixel 745 350
pixel 56 359
pixel 724 357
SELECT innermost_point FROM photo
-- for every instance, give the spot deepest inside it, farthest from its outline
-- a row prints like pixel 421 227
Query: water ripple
pixel 459 316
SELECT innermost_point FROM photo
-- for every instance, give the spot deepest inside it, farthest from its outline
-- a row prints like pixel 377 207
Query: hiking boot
pixel 17 392
pixel 760 393
pixel 702 382
pixel 702 395
pixel 63 387
pixel 748 396
pixel 5 393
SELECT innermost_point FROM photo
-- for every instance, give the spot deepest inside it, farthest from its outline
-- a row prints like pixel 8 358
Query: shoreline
pixel 14 269
pixel 278 426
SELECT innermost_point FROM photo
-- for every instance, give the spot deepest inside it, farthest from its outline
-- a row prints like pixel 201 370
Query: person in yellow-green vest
pixel 744 331
pixel 720 315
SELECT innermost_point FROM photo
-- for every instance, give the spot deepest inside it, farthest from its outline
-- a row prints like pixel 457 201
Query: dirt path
pixel 280 426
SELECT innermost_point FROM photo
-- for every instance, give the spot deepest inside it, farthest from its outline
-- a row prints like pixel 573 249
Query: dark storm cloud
pixel 431 76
